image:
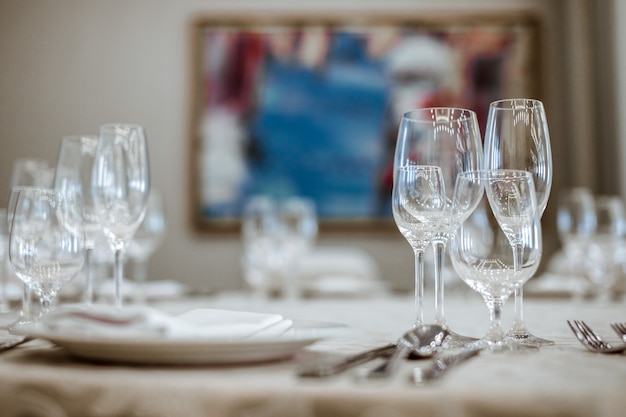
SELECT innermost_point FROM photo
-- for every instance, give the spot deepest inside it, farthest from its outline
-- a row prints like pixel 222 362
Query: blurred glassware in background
pixel 27 172
pixel 258 228
pixel 4 259
pixel 148 238
pixel 575 224
pixel 604 266
pixel 276 236
pixel 46 240
pixel 73 174
pixel 297 234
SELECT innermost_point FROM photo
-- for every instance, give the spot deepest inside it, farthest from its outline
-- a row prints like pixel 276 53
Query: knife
pixel 326 369
pixel 439 366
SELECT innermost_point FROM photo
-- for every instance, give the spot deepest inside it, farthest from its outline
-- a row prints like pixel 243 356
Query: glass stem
pixel 4 296
pixel 45 304
pixel 89 276
pixel 140 274
pixel 419 287
pixel 119 277
pixel 519 304
pixel 439 249
pixel 26 297
pixel 495 314
pixel 518 252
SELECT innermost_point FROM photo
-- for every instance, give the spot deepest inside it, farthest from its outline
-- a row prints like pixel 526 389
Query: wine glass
pixel 517 137
pixel 148 238
pixel 296 236
pixel 120 187
pixel 575 224
pixel 418 204
pixel 27 172
pixel 450 139
pixel 46 240
pixel 605 245
pixel 73 174
pixel 259 226
pixel 480 250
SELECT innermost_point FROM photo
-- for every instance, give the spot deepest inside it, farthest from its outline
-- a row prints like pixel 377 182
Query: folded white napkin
pixel 142 321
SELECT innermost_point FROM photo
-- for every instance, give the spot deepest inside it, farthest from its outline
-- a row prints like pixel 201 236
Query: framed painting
pixel 309 106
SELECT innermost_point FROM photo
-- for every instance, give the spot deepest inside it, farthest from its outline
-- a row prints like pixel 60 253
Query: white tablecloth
pixel 561 380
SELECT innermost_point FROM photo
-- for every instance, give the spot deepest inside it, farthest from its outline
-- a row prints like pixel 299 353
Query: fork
pixel 620 329
pixel 591 340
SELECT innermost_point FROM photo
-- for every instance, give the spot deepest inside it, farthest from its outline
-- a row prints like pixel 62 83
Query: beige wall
pixel 68 66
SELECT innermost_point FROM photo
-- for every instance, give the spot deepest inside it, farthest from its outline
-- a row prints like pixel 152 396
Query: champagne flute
pixel 147 239
pixel 418 204
pixel 46 240
pixel 120 187
pixel 517 137
pixel 450 139
pixel 481 253
pixel 27 172
pixel 73 174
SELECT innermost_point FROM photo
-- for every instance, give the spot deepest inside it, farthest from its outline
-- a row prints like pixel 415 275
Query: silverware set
pixel 422 342
pixel 593 341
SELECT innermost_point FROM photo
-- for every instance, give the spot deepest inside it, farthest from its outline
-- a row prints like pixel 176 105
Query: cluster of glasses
pixel 99 191
pixel 592 230
pixel 485 205
pixel 276 235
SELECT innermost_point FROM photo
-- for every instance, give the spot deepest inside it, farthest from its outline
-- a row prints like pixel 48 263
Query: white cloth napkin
pixel 141 321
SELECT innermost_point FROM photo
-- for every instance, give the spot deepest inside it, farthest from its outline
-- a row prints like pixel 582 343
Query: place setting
pixel 484 208
pixel 143 335
pixel 100 192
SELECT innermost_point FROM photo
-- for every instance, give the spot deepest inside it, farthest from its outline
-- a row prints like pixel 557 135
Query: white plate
pixel 186 351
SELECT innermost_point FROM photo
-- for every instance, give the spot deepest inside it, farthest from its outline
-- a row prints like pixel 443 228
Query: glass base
pixel 504 346
pixel 455 340
pixel 520 335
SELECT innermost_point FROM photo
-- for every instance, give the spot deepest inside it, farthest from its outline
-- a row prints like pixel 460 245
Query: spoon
pixel 422 341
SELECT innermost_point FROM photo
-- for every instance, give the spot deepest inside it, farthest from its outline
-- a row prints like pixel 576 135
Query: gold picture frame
pixel 309 105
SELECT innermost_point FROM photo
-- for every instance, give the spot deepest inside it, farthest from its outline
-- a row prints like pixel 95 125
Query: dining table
pixel 42 378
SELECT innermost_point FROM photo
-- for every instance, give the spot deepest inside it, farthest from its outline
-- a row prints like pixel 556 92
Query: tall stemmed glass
pixel 120 186
pixel 73 174
pixel 480 250
pixel 517 137
pixel 46 240
pixel 450 139
pixel 148 237
pixel 27 172
pixel 418 203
